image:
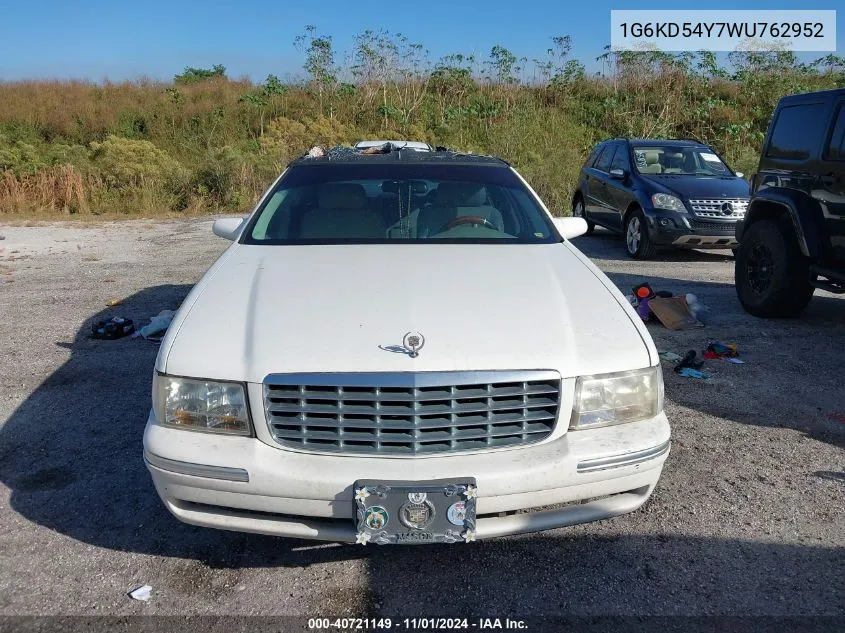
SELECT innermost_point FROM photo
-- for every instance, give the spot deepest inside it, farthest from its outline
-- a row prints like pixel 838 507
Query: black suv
pixel 661 193
pixel 793 238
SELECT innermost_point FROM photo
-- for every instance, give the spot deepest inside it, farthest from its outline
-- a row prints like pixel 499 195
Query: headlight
pixel 617 398
pixel 665 201
pixel 201 405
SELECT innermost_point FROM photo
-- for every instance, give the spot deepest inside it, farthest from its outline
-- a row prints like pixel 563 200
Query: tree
pixel 264 96
pixel 392 63
pixel 319 60
pixel 450 81
pixel 504 66
pixel 552 68
pixel 196 75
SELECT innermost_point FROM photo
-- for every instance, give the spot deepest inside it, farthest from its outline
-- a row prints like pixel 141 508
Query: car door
pixel 590 180
pixel 599 210
pixel 831 192
pixel 618 191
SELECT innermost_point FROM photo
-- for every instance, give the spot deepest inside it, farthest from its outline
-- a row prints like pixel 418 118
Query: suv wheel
pixel 637 240
pixel 578 211
pixel 772 276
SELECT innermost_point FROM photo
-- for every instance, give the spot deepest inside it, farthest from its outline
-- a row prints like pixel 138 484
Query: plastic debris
pixel 114 302
pixel 643 291
pixel 696 308
pixel 157 326
pixel 689 372
pixel 735 361
pixel 671 356
pixel 643 309
pixel 143 593
pixel 115 327
pixel 715 350
pixel 689 361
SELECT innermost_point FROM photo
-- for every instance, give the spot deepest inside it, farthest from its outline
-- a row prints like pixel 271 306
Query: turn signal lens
pixel 202 405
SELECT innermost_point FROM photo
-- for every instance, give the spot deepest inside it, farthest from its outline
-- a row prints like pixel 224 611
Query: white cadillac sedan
pixel 404 348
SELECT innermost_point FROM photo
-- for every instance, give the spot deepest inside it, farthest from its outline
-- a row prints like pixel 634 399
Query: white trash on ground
pixel 157 326
pixel 143 593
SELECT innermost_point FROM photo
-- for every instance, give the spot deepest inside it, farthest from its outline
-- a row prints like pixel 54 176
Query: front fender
pixel 803 211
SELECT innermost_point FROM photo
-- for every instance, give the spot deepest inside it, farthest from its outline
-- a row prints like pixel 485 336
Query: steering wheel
pixel 478 220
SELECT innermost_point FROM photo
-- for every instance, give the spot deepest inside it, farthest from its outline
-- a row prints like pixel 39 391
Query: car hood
pixel 700 187
pixel 278 309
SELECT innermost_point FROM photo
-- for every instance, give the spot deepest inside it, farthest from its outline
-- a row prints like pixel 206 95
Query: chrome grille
pixel 712 208
pixel 411 413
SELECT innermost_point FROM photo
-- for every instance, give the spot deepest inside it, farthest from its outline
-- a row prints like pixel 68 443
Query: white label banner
pixel 693 30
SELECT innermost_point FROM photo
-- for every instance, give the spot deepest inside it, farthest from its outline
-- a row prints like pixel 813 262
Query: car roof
pixel 676 142
pixel 820 94
pixel 348 155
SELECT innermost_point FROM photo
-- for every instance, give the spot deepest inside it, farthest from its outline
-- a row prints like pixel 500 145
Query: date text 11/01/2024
pixel 423 624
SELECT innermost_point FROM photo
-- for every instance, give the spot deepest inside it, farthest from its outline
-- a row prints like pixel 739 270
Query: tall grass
pixel 148 147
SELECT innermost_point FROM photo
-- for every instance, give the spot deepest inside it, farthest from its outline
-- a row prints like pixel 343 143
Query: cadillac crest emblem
pixel 413 342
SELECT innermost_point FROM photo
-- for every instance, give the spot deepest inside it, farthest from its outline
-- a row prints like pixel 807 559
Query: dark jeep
pixel 792 239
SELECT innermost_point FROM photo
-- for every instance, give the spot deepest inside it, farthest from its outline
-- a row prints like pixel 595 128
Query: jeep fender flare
pixel 804 213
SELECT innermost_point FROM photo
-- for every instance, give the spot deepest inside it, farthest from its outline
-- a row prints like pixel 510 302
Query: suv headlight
pixel 212 406
pixel 617 398
pixel 665 201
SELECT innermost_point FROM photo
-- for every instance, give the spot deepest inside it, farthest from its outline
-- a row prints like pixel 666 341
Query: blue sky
pixel 94 39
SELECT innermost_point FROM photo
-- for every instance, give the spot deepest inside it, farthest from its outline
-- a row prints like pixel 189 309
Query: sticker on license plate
pixel 415 512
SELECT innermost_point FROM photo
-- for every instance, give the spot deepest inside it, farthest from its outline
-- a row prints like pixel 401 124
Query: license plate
pixel 415 512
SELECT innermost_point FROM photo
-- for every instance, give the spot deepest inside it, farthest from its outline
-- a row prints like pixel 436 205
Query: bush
pixel 124 162
pixel 285 139
pixel 19 157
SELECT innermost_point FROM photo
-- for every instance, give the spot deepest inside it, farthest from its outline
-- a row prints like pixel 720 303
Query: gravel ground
pixel 747 520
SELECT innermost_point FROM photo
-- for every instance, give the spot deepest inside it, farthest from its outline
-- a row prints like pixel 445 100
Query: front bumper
pixel 243 484
pixel 669 228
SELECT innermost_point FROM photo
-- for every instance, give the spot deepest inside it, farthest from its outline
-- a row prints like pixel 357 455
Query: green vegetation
pixel 205 142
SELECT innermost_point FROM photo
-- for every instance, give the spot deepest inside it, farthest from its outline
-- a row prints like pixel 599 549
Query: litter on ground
pixel 674 312
pixel 114 302
pixel 689 372
pixel 690 361
pixel 143 593
pixel 157 326
pixel 715 350
pixel 672 357
pixel 115 327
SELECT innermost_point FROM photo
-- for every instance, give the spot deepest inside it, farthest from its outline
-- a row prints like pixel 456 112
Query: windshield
pixel 674 159
pixel 345 203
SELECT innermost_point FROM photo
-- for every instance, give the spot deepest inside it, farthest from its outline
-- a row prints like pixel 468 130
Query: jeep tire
pixel 772 276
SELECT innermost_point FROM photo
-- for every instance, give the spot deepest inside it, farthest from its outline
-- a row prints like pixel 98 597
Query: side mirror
pixel 571 227
pixel 618 174
pixel 228 228
pixel 739 174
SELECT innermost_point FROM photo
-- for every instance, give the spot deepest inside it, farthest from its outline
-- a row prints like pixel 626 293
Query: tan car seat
pixel 652 162
pixel 454 199
pixel 342 211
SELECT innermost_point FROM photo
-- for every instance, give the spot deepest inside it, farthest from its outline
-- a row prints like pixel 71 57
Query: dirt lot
pixel 748 519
